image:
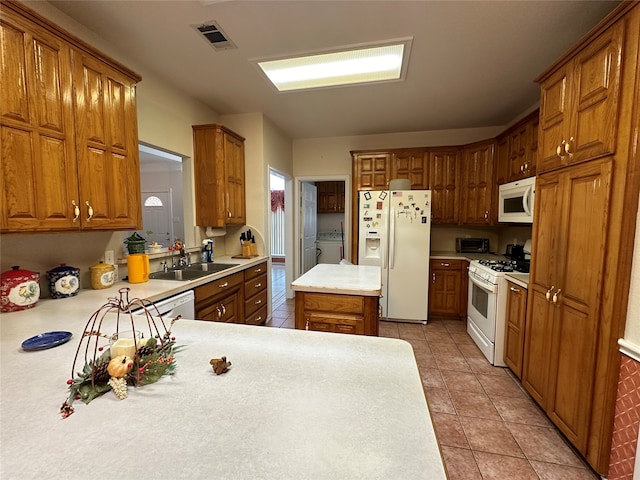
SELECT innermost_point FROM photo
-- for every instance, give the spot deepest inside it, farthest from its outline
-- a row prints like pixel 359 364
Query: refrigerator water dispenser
pixel 372 248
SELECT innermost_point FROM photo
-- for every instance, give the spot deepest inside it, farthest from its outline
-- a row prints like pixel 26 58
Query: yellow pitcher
pixel 138 266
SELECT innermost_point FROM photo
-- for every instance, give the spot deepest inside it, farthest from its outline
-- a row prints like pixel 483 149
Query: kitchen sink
pixel 191 272
pixel 209 267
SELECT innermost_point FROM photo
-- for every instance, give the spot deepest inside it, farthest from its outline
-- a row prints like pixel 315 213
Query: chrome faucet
pixel 165 267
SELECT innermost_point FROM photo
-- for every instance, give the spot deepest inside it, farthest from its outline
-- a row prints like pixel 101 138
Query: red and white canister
pixel 19 289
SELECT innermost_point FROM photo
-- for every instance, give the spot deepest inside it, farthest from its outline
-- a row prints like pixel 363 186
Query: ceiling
pixel 472 63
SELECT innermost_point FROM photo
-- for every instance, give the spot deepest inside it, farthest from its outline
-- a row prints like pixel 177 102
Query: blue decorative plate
pixel 46 340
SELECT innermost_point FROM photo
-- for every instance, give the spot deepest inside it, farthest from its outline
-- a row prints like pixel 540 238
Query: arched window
pixel 153 201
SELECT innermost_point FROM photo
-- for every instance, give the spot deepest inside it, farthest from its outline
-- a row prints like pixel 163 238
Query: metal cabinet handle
pixel 548 294
pixel 257 285
pixel 222 285
pixel 258 302
pixel 486 214
pixel 567 147
pixel 560 149
pixel 515 290
pixel 306 326
pixel 258 270
pixel 224 310
pixel 90 211
pixel 555 297
pixel 433 277
pixel 219 312
pixel 76 210
pixel 259 319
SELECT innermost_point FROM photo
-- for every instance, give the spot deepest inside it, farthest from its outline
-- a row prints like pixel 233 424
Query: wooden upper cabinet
pixel 444 175
pixel 580 102
pixel 67 139
pixel 477 184
pixel 371 170
pixel 516 150
pixel 410 164
pixel 219 176
pixel 107 147
pixel 39 179
pixel 330 197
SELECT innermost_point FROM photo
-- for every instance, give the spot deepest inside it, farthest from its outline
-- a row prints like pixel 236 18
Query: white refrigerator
pixel 394 234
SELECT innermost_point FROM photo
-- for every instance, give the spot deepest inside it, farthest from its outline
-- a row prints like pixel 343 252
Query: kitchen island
pixel 293 405
pixel 338 298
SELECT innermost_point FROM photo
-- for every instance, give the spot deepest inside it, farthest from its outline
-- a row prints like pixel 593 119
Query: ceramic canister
pixel 138 267
pixel 103 275
pixel 19 289
pixel 64 281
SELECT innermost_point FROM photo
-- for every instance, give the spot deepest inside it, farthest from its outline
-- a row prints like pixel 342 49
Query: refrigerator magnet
pixel 382 195
pixel 367 196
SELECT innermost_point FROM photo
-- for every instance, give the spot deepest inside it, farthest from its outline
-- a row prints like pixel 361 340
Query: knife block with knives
pixel 248 244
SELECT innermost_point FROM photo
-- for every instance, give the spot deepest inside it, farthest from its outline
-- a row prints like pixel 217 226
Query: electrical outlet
pixel 109 258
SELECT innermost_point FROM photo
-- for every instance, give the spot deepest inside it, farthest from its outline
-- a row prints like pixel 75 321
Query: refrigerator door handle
pixel 392 237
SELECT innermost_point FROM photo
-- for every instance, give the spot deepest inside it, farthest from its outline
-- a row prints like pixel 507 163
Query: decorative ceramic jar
pixel 135 243
pixel 103 275
pixel 19 289
pixel 64 281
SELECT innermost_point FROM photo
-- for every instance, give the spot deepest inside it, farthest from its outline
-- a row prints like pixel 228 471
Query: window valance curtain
pixel 277 200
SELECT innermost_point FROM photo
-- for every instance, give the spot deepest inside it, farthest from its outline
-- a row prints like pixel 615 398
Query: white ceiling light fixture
pixel 380 62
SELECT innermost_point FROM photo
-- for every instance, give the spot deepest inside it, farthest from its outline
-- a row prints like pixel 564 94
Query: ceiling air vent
pixel 214 35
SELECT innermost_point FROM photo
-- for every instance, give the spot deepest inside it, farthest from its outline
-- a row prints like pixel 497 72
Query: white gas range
pixel 486 311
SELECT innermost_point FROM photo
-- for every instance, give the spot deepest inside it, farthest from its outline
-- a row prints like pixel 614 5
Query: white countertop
pixel 521 279
pixel 341 279
pixel 294 405
pixel 441 255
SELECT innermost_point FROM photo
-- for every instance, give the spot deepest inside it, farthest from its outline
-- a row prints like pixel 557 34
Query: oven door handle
pixel 486 287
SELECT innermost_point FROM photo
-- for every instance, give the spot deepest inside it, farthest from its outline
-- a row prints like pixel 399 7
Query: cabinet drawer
pixel 255 271
pixel 255 285
pixel 333 303
pixel 254 303
pixel 329 322
pixel 213 289
pixel 447 264
pixel 226 310
pixel 258 318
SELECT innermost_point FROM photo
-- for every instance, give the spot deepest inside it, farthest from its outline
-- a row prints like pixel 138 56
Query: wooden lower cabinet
pixel 221 300
pixel 514 327
pixel 256 294
pixel 327 312
pixel 242 297
pixel 448 288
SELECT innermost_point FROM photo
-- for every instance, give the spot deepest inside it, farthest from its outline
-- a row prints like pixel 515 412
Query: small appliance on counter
pixel 64 281
pixel 103 275
pixel 19 289
pixel 472 245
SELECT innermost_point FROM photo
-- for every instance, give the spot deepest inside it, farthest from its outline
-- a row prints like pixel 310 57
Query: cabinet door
pixel 371 171
pixel 410 164
pixel 514 327
pixel 443 183
pixel 107 149
pixel 518 149
pixel 586 191
pixel 234 167
pixel 502 160
pixel 580 104
pixel 444 291
pixel 39 179
pixel 477 184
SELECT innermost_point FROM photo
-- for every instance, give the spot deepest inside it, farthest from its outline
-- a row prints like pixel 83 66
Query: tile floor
pixel 487 425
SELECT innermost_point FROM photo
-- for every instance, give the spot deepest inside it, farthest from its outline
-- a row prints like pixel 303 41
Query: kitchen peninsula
pixel 293 405
pixel 338 298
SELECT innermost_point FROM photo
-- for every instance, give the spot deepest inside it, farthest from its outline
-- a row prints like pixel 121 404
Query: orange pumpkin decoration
pixel 119 366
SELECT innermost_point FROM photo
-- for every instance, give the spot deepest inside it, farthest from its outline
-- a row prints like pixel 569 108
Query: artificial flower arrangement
pixel 130 359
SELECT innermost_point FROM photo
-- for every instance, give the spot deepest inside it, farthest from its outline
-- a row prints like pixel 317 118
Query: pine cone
pixel 100 373
pixel 144 351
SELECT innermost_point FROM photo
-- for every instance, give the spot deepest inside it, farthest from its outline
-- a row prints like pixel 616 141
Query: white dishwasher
pixel 182 304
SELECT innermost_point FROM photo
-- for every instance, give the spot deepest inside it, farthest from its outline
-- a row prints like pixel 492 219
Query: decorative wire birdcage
pixel 139 361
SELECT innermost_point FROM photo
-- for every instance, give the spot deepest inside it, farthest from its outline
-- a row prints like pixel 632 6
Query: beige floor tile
pixel 490 436
pixel 551 471
pixel 502 385
pixel 502 467
pixel 448 348
pixel 543 444
pixel 476 405
pixel 446 361
pixel 460 464
pixel 431 377
pixel 464 381
pixel 449 431
pixel 439 400
pixel 520 410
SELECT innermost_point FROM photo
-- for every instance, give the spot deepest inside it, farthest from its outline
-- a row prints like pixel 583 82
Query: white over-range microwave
pixel 515 204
